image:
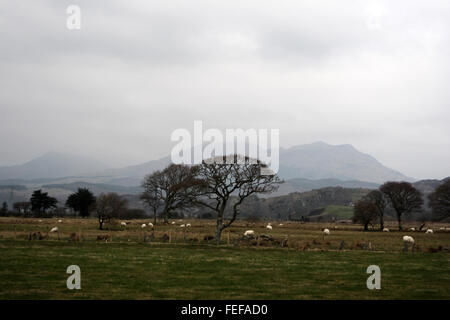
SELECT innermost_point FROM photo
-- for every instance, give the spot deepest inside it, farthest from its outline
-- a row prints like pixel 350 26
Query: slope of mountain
pixel 52 165
pixel 316 161
pixel 322 161
pixel 303 185
pixel 96 188
pixel 136 171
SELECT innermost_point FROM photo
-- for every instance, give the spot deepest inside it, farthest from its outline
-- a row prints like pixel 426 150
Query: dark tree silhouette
pixel 81 201
pixel 151 196
pixel 365 212
pixel 40 202
pixel 110 206
pixel 174 188
pixel 440 201
pixel 4 209
pixel 240 178
pixel 378 199
pixel 403 197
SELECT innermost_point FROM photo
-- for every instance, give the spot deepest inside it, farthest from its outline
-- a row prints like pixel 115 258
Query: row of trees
pixel 216 184
pixel 402 198
pixel 107 206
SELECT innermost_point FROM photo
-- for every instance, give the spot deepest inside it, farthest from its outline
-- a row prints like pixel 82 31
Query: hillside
pixel 52 165
pixel 323 161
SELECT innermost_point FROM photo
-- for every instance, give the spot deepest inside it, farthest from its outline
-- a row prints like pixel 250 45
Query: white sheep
pixel 150 225
pixel 143 226
pixel 173 222
pixel 123 223
pixel 269 227
pixel 182 226
pixel 385 230
pixel 249 233
pixel 59 220
pixel 412 229
pixel 40 220
pixel 280 224
pixel 408 239
pixel 326 231
pixel 54 229
pixel 429 231
pixel 188 225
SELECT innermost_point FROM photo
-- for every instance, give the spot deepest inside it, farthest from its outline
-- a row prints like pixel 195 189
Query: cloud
pixel 370 73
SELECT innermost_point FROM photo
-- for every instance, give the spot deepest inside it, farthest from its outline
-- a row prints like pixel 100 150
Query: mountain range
pixel 315 161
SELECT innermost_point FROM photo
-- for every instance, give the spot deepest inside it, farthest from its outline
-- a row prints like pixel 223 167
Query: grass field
pixel 308 266
pixel 340 212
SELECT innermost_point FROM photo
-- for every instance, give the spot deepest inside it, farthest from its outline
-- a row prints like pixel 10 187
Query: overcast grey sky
pixel 374 74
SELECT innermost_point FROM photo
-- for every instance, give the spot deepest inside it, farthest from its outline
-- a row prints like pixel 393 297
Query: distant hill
pixel 323 161
pixel 303 185
pixel 316 161
pixel 52 165
pixel 96 188
pixel 328 165
pixel 317 204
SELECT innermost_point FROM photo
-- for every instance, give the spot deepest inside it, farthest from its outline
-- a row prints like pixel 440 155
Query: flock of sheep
pixel 269 227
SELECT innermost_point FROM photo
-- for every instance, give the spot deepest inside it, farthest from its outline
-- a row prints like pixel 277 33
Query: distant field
pixel 308 266
pixel 340 212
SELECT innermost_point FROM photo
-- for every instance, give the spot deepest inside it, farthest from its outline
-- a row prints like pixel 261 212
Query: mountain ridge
pixel 315 161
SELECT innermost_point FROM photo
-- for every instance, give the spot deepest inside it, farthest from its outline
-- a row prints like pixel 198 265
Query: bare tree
pixel 365 212
pixel 378 199
pixel 174 188
pixel 241 179
pixel 403 197
pixel 440 201
pixel 151 196
pixel 109 206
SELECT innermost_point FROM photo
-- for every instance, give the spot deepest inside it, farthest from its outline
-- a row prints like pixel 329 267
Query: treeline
pixel 81 203
pixel 403 199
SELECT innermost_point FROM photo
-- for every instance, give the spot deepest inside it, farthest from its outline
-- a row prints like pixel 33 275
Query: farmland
pixel 294 261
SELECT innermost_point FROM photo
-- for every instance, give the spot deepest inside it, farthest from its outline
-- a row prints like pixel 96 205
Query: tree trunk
pixel 166 216
pixel 399 219
pixel 154 217
pixel 381 223
pixel 219 227
pixel 218 230
pixel 366 227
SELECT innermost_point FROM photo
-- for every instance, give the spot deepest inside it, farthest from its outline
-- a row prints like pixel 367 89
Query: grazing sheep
pixel 123 223
pixel 249 233
pixel 326 231
pixel 59 220
pixel 188 225
pixel 385 230
pixel 269 227
pixel 412 229
pixel 280 224
pixel 429 231
pixel 408 239
pixel 143 226
pixel 54 229
pixel 173 222
pixel 150 225
pixel 182 226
